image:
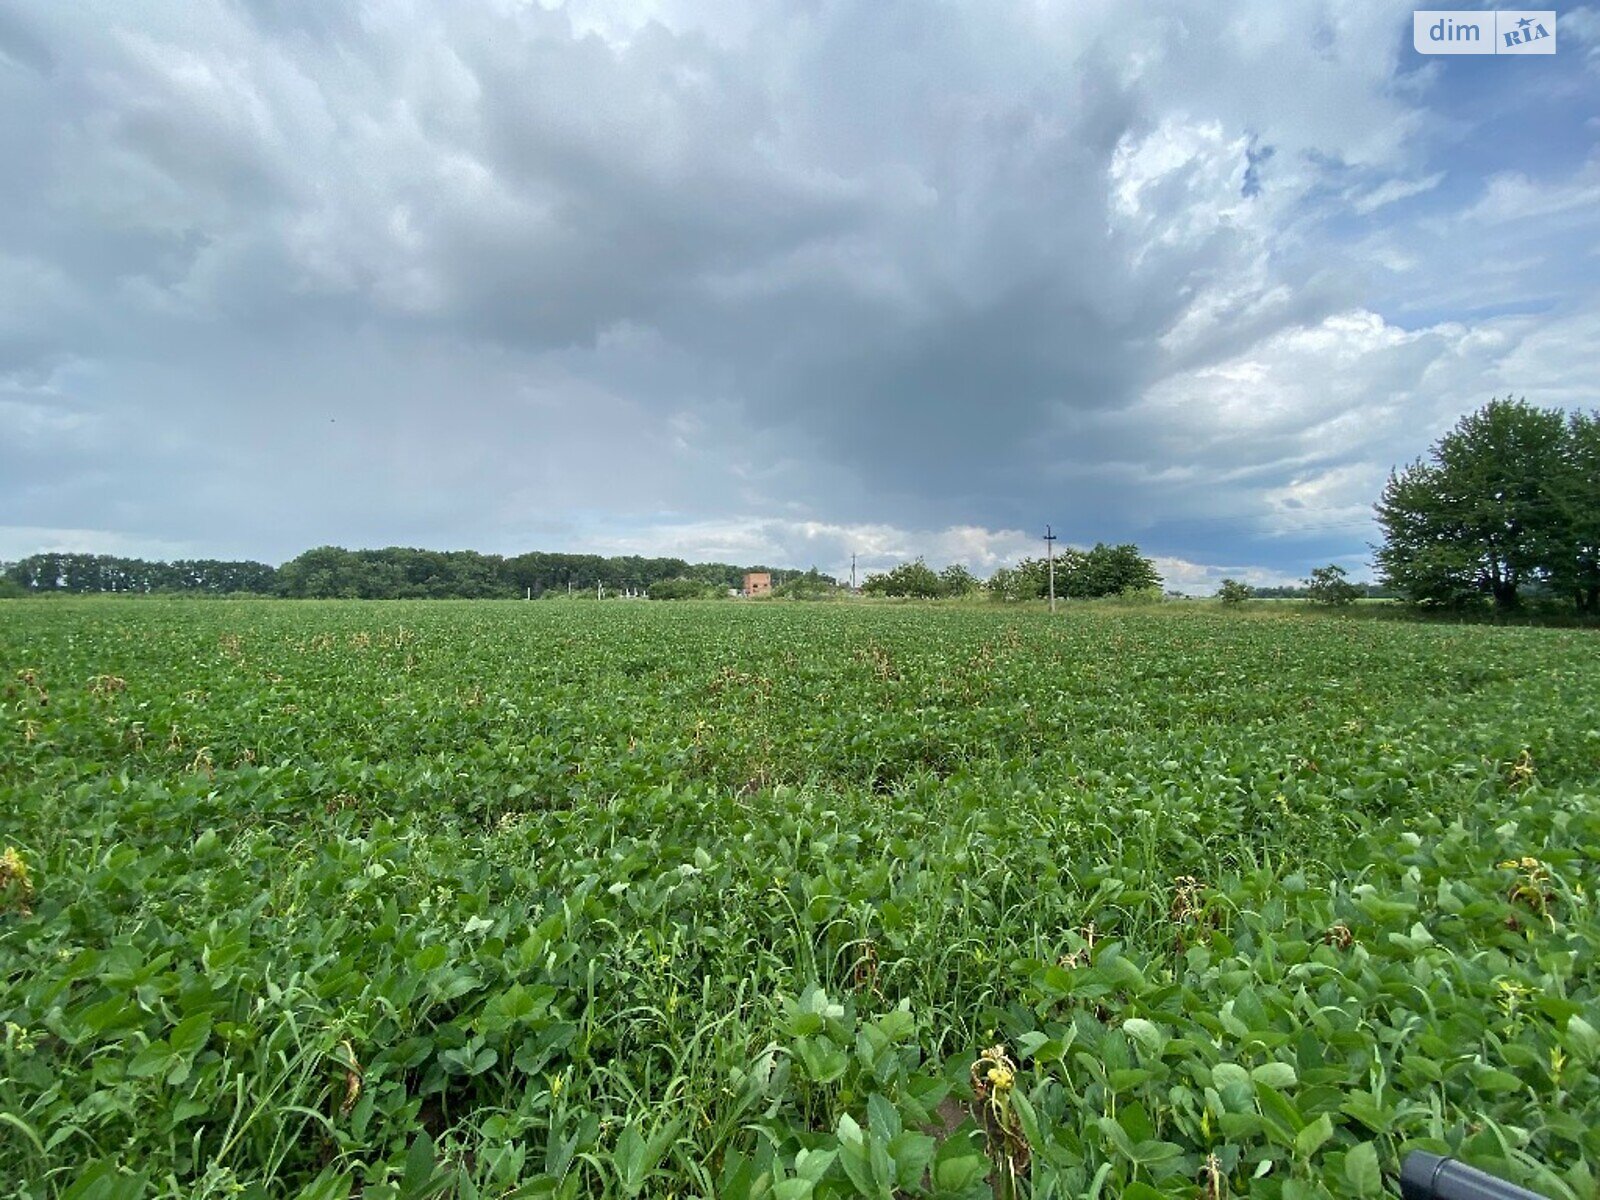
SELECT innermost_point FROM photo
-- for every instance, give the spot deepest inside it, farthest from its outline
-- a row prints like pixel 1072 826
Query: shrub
pixel 1233 592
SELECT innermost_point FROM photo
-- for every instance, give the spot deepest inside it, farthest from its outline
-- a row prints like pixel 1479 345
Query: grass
pixel 492 899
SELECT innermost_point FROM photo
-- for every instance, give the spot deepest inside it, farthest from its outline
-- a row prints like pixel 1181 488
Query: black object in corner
pixel 1426 1176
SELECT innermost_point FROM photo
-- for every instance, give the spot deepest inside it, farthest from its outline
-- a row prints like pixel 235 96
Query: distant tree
pixel 1004 584
pixel 956 581
pixel 1033 578
pixel 1482 514
pixel 1330 585
pixel 324 573
pixel 911 579
pixel 83 573
pixel 680 589
pixel 1115 570
pixel 542 573
pixel 808 585
pixel 1233 592
pixel 1080 575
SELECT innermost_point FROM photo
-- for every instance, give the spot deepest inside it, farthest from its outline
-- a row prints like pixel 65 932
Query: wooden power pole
pixel 1050 557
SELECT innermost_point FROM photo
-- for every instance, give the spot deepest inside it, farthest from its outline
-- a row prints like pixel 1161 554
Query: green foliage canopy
pixel 915 579
pixel 1507 500
pixel 1330 585
pixel 80 573
pixel 1233 592
pixel 1080 574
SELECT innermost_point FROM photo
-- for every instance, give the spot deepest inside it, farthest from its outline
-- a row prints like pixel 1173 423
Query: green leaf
pixel 1279 1112
pixel 636 1156
pixel 823 1061
pixel 1027 1118
pixel 853 1155
pixel 881 1117
pixel 22 1127
pixel 814 1164
pixel 1361 1169
pixel 1147 1033
pixel 152 1059
pixel 958 1166
pixel 1275 1075
pixel 1582 1039
pixel 1368 1111
pixel 104 1181
pixel 1226 1073
pixel 330 1185
pixel 911 1152
pixel 417 1179
pixel 190 1035
pixel 1310 1139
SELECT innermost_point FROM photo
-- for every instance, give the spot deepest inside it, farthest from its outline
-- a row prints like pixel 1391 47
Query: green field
pixel 560 899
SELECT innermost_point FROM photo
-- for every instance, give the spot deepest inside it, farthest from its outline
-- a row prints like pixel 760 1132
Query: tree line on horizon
pixel 93 573
pixel 1504 509
pixel 392 573
pixel 397 573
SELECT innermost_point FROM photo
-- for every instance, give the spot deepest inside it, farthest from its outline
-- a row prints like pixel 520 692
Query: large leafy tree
pixel 1118 570
pixel 1575 563
pixel 1331 585
pixel 1479 516
pixel 1233 592
pixel 1080 574
pixel 957 581
pixel 915 578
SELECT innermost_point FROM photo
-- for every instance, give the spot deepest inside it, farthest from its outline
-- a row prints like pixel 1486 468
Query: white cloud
pixel 1513 196
pixel 1299 395
pixel 1295 435
pixel 1203 579
pixel 1556 362
pixel 1392 191
pixel 32 423
pixel 19 541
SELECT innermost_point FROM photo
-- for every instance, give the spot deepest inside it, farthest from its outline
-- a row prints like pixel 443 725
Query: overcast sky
pixel 771 281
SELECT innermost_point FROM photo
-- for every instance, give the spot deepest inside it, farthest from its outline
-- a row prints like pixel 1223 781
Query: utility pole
pixel 852 571
pixel 1050 557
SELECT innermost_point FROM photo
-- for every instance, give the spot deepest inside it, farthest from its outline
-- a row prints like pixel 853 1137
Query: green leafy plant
pixel 329 899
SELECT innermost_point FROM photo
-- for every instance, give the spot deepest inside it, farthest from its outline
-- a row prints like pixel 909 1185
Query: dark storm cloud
pixel 274 273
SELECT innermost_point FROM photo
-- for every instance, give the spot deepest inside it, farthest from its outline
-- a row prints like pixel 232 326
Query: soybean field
pixel 743 900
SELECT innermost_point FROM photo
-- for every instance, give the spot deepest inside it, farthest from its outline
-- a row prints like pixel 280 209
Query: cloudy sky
pixel 770 281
